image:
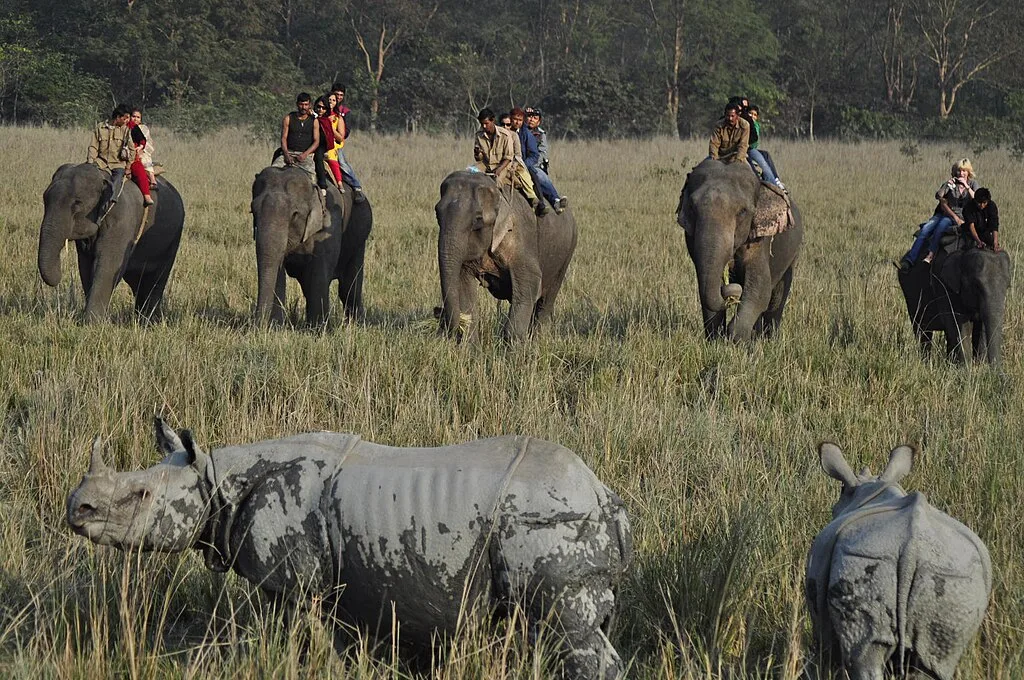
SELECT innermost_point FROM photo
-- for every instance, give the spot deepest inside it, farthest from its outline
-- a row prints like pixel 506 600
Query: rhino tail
pixel 906 567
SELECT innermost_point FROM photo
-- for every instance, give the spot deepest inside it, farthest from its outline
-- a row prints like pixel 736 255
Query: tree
pixel 956 35
pixel 899 56
pixel 380 27
pixel 667 18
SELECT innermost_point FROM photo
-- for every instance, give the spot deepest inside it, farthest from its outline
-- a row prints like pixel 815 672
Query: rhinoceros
pixel 892 582
pixel 504 521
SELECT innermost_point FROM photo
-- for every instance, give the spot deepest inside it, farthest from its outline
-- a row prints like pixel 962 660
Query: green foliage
pixel 858 124
pixel 830 65
pixel 594 103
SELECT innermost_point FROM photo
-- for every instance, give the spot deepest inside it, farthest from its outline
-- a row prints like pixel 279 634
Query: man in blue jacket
pixel 531 157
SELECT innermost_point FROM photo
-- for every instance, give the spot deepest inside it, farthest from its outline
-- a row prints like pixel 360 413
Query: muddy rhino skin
pixel 892 582
pixel 507 520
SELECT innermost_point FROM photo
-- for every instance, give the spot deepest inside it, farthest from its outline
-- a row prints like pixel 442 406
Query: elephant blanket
pixel 773 214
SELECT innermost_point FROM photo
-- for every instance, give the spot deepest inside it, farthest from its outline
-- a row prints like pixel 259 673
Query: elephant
pixel 77 206
pixel 962 294
pixel 728 216
pixel 499 241
pixel 294 235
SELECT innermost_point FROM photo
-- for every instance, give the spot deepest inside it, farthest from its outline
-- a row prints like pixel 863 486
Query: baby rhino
pixel 373 529
pixel 892 583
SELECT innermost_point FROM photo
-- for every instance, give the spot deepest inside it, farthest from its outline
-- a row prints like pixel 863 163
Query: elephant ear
pixel 318 218
pixel 502 223
pixel 950 275
pixel 681 218
pixel 105 196
pixel 772 214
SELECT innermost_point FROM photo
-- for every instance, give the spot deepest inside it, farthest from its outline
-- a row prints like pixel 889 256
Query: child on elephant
pixel 981 220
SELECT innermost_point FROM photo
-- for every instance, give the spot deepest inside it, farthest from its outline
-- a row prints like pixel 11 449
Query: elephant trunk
pixel 53 234
pixel 270 229
pixel 712 252
pixel 449 262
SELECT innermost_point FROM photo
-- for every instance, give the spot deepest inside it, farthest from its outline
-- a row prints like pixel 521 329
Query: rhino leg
pixel 579 616
pixel 862 609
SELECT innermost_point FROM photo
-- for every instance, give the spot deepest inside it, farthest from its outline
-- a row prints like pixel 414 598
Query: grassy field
pixel 712 446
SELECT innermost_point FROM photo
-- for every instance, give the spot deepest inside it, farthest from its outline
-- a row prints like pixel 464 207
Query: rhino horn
pixel 901 461
pixel 167 439
pixel 835 465
pixel 196 456
pixel 96 464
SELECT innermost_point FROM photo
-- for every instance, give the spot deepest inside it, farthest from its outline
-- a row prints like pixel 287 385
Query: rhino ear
pixel 196 457
pixel 901 461
pixel 835 465
pixel 96 464
pixel 167 439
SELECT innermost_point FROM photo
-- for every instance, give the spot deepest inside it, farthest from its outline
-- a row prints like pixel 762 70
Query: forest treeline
pixel 905 69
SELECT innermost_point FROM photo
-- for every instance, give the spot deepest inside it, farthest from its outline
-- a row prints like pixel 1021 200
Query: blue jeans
pixel 543 182
pixel 766 169
pixel 346 171
pixel 931 232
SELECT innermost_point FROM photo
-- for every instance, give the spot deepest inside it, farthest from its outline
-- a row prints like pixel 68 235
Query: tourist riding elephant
pixel 294 236
pixel 496 239
pixel 733 220
pixel 964 289
pixel 77 207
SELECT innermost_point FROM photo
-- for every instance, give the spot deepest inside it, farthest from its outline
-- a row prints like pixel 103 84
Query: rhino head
pixel 162 508
pixel 859 489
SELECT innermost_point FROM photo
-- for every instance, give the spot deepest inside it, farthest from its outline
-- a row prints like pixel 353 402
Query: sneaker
pixel 323 192
pixel 558 208
pixel 563 202
pixel 357 195
pixel 903 264
pixel 540 207
pixel 147 200
pixel 779 184
pixel 929 257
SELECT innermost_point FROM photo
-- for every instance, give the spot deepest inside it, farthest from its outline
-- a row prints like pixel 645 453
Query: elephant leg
pixel 979 338
pixel 316 287
pixel 957 334
pixel 757 294
pixel 149 293
pixel 112 255
pixel 526 284
pixel 925 338
pixel 769 322
pixel 714 323
pixel 546 303
pixel 86 261
pixel 350 286
pixel 277 311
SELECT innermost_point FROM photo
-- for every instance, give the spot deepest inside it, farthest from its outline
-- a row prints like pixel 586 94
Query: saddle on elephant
pixel 773 213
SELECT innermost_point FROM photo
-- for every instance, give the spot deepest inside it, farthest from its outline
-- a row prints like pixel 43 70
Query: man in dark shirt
pixel 981 220
pixel 300 136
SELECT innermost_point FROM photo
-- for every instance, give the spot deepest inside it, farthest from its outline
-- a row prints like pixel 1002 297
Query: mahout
pixel 102 214
pixel 494 238
pixel 736 223
pixel 893 584
pixel 313 239
pixel 491 526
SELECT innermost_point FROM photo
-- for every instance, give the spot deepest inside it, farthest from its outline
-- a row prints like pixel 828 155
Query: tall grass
pixel 712 446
